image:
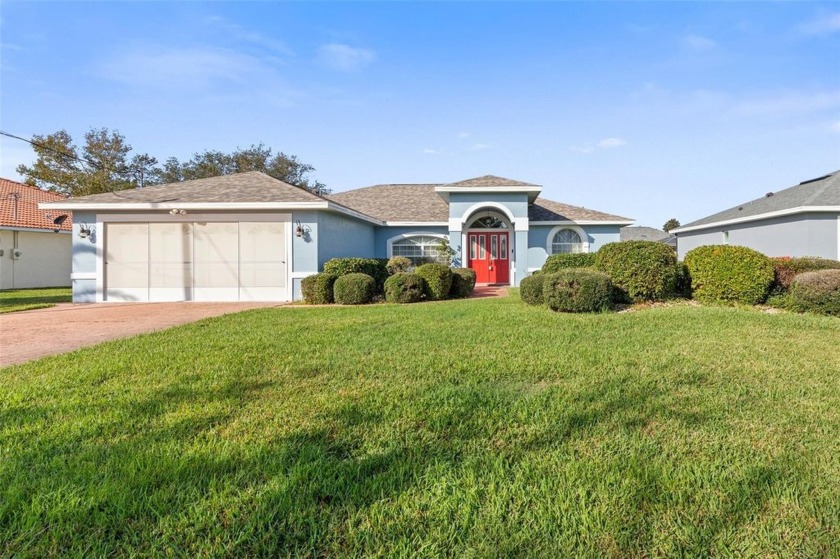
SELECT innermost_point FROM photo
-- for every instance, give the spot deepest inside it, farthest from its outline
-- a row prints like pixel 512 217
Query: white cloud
pixel 829 23
pixel 609 143
pixel 196 67
pixel 244 35
pixel 479 147
pixel 463 135
pixel 698 42
pixel 430 151
pixel 344 57
pixel 585 150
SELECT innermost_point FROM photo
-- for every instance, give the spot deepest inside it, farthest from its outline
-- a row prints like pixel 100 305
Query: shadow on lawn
pixel 161 484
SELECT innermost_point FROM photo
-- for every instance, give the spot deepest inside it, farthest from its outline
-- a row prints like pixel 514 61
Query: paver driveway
pixel 29 335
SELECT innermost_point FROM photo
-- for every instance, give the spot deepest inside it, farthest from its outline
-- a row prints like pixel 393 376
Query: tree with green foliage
pixel 105 164
pixel 672 223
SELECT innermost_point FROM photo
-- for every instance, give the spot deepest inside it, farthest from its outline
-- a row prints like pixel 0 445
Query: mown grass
pixel 13 300
pixel 479 428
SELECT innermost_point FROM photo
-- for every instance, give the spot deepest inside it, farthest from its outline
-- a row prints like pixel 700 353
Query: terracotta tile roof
pixel 488 181
pixel 19 207
pixel 253 186
pixel 420 202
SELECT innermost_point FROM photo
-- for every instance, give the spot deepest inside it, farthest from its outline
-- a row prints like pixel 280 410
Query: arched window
pixel 566 241
pixel 420 249
pixel 488 222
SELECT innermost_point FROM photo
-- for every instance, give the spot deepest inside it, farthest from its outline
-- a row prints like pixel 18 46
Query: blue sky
pixel 647 110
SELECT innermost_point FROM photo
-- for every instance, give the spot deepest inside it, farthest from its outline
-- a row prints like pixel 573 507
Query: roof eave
pixel 621 222
pixel 757 217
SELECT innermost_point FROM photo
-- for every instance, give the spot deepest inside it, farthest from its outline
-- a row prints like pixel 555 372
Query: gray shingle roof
pixel 241 187
pixel 487 181
pixel 824 191
pixel 643 234
pixel 419 202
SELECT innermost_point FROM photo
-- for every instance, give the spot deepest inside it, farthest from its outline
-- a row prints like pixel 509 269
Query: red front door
pixel 490 256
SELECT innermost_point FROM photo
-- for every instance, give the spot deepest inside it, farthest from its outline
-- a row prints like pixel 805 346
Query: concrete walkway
pixel 29 335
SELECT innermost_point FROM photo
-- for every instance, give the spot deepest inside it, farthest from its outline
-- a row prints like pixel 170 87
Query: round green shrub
pixel 374 267
pixel 354 289
pixel 577 290
pixel 817 292
pixel 557 262
pixel 787 268
pixel 404 287
pixel 531 289
pixel 463 283
pixel 318 289
pixel 639 270
pixel 729 274
pixel 399 264
pixel 438 279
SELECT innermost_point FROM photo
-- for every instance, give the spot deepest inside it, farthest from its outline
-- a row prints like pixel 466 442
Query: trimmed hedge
pixel 398 264
pixel 577 290
pixel 639 270
pixel 354 289
pixel 787 268
pixel 817 292
pixel 682 284
pixel 463 283
pixel 531 289
pixel 318 289
pixel 374 267
pixel 557 262
pixel 438 279
pixel 404 287
pixel 729 274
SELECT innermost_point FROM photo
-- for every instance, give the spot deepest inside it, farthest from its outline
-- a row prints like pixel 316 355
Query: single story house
pixel 249 236
pixel 803 220
pixel 641 233
pixel 35 244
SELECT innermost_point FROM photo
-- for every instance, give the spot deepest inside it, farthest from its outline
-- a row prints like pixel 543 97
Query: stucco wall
pixel 814 234
pixel 597 236
pixel 343 237
pixel 44 259
pixel 459 202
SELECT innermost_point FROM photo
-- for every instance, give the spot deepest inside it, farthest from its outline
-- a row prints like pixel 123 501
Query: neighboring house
pixel 35 244
pixel 639 233
pixel 251 237
pixel 803 220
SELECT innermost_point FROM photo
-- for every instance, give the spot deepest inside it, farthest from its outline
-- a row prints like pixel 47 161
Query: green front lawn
pixel 12 300
pixel 477 428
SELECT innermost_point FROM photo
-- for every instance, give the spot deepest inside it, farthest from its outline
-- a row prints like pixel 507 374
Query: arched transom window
pixel 488 222
pixel 420 249
pixel 566 241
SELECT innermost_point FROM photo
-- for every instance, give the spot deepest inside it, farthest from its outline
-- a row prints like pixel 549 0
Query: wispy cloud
pixel 828 23
pixel 345 58
pixel 698 42
pixel 195 67
pixel 430 151
pixel 479 147
pixel 835 126
pixel 585 149
pixel 244 35
pixel 609 143
pixel 463 135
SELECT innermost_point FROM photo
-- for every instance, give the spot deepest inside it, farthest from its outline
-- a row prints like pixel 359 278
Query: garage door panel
pixel 127 262
pixel 262 269
pixel 170 261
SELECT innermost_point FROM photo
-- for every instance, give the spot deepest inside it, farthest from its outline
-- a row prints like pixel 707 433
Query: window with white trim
pixel 420 249
pixel 566 241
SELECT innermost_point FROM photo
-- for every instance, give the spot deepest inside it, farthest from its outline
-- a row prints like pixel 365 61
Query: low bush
pixel 531 289
pixel 816 292
pixel 318 289
pixel 729 274
pixel 577 290
pixel 374 267
pixel 438 278
pixel 399 264
pixel 463 283
pixel 404 287
pixel 354 289
pixel 557 262
pixel 787 268
pixel 639 270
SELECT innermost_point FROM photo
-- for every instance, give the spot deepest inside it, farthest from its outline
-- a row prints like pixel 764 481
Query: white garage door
pixel 195 261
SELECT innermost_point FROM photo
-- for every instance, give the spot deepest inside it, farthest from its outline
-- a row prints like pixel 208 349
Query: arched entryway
pixel 488 246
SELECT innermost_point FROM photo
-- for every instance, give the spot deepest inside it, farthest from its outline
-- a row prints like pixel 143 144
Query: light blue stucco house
pixel 803 220
pixel 251 237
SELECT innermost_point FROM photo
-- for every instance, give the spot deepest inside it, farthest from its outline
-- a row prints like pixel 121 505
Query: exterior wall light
pixel 86 231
